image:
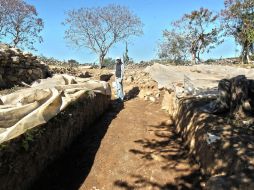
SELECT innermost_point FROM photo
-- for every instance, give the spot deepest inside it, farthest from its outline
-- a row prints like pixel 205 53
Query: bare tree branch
pixel 100 28
pixel 24 26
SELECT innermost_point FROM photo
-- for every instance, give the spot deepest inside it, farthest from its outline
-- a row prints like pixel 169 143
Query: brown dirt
pixel 131 147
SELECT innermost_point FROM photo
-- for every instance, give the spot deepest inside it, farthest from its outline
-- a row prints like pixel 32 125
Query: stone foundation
pixel 222 146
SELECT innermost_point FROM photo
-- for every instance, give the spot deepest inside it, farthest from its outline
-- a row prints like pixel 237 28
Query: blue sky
pixel 155 14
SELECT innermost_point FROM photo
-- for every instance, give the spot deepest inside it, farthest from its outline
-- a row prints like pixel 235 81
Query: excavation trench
pixel 132 146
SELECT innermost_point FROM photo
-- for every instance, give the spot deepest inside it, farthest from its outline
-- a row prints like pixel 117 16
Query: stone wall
pixel 17 66
pixel 223 147
pixel 24 158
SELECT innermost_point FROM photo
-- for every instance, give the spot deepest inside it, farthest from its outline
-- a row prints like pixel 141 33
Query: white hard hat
pixel 118 58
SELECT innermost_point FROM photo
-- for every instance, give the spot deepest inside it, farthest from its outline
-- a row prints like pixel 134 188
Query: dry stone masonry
pixel 17 67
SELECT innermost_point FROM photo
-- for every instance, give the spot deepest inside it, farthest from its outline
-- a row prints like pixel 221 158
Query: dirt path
pixel 130 148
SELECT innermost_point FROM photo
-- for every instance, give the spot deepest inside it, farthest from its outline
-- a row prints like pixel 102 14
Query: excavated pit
pixel 222 146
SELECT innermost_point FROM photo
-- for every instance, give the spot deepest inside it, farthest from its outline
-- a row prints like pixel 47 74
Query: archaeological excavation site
pixel 179 127
pixel 126 95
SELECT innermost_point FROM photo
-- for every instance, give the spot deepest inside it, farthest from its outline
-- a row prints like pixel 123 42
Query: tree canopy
pixel 98 29
pixel 200 30
pixel 238 22
pixel 19 23
pixel 173 47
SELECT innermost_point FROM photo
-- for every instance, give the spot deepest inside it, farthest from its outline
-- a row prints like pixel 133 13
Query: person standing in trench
pixel 119 72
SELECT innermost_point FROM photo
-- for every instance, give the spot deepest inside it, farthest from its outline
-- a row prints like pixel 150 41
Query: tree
pixel 200 30
pixel 238 21
pixel 3 12
pixel 23 24
pixel 109 63
pixel 98 29
pixel 173 47
pixel 72 62
pixel 126 57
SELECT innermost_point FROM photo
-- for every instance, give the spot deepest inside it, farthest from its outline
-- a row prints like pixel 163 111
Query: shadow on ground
pixel 228 160
pixel 166 150
pixel 71 169
pixel 132 93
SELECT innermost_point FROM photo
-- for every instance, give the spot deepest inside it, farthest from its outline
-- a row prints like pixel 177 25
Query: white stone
pixel 130 79
pixel 15 59
pixel 152 99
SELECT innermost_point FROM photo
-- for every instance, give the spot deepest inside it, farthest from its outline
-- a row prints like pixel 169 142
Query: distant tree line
pixel 20 25
pixel 202 30
pixel 55 62
pixel 100 28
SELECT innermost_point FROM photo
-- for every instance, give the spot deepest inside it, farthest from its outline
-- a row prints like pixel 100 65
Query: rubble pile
pixel 143 83
pixel 17 67
pixel 139 83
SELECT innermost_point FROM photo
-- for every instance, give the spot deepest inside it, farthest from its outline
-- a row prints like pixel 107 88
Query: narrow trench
pixel 130 147
pixel 70 170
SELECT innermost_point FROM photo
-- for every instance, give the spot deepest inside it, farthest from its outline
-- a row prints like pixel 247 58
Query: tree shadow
pixel 187 182
pixel 70 170
pixel 166 151
pixel 222 145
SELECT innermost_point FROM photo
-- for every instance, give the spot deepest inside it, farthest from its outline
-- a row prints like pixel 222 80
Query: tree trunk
pixel 245 53
pixel 102 57
pixel 248 58
pixel 198 57
pixel 244 57
pixel 193 61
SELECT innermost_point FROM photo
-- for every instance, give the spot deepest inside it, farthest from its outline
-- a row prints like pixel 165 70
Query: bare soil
pixel 133 146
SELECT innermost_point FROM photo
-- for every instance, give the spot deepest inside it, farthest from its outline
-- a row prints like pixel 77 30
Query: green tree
pixel 173 47
pixel 238 22
pixel 72 63
pixel 200 30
